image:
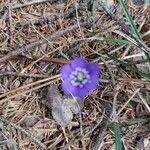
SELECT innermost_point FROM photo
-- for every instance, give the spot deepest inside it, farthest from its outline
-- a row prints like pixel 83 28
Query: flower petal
pixel 81 92
pixel 78 62
pixel 67 87
pixel 93 69
pixel 65 71
pixel 92 84
pixel 75 91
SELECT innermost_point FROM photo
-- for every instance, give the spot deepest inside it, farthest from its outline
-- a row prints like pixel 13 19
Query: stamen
pixel 79 77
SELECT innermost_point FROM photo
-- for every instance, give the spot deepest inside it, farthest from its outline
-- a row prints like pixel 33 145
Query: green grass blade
pixel 93 13
pixel 133 26
pixel 129 18
pixel 117 134
pixel 130 67
pixel 136 121
pixel 118 41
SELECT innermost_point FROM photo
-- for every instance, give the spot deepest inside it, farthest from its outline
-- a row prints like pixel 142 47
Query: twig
pixel 144 101
pixel 53 60
pixel 142 98
pixel 50 19
pixel 27 133
pixel 81 124
pixel 10 21
pixel 109 70
pixel 119 111
pixel 7 73
pixel 31 3
pixel 57 34
pixel 63 129
pixel 42 58
pixel 77 16
pixel 129 80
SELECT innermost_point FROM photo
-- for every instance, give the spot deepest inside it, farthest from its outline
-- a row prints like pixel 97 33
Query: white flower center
pixel 79 77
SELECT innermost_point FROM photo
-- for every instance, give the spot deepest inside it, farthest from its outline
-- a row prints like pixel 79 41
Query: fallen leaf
pixel 63 108
pixel 61 113
pixel 72 104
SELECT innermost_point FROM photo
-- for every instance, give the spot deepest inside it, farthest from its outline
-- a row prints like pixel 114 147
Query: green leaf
pixel 118 41
pixel 117 134
pixel 93 13
pixel 136 121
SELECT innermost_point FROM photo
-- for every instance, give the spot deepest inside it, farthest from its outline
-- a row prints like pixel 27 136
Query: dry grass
pixel 65 32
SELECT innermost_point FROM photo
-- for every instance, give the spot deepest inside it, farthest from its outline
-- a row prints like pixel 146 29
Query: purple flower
pixel 79 77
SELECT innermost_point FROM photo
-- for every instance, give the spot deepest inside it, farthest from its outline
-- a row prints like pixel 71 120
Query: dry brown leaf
pixel 63 108
pixel 72 104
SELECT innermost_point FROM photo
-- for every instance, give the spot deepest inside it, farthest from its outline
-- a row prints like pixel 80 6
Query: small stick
pixel 34 2
pixel 10 21
pixel 45 59
pixel 63 129
pixel 54 60
pixel 50 19
pixel 7 73
pixel 121 109
pixel 144 101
